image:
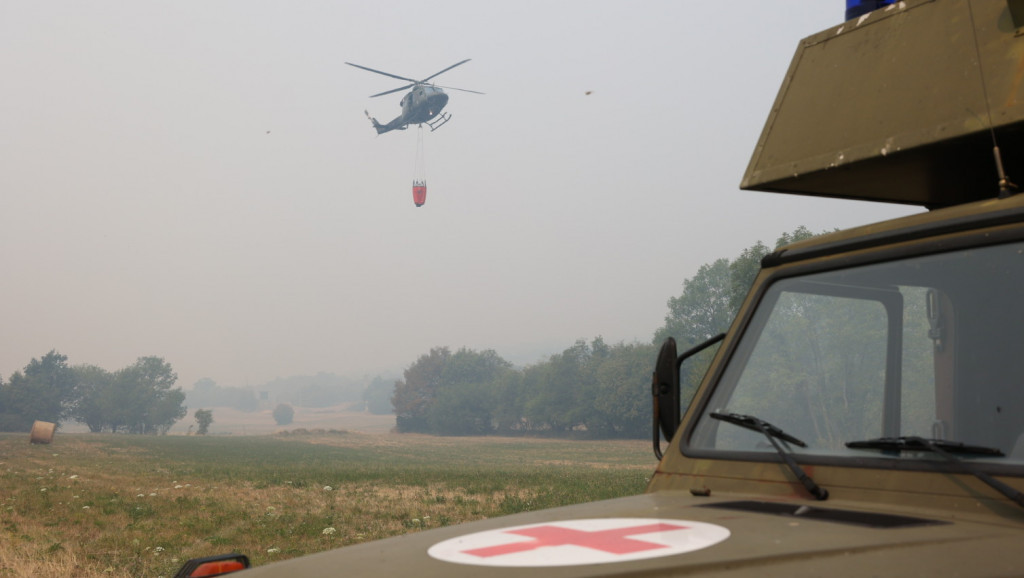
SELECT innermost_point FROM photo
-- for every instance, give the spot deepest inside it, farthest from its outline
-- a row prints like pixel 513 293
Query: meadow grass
pixel 93 505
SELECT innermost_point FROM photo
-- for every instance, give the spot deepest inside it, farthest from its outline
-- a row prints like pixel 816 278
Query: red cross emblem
pixel 575 542
pixel 614 541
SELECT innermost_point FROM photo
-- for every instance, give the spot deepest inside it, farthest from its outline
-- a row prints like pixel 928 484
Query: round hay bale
pixel 42 432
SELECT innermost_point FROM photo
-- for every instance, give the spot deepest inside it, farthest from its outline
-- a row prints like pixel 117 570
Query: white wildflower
pixel 273 550
pixel 328 488
pixel 329 531
pixel 85 507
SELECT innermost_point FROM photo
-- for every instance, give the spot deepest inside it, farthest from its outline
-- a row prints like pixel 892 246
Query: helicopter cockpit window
pixel 926 347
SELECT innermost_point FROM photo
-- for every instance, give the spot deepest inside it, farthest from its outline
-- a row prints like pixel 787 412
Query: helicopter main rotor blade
pixel 462 89
pixel 412 80
pixel 445 70
pixel 392 90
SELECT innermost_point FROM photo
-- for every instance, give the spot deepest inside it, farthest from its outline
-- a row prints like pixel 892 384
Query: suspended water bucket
pixel 42 432
pixel 419 192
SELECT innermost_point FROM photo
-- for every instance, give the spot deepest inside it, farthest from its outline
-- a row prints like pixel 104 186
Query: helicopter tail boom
pixel 383 128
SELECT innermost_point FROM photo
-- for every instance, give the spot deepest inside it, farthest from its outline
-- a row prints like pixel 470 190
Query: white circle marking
pixel 577 542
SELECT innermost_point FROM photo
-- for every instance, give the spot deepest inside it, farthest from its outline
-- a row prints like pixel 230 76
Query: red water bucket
pixel 419 192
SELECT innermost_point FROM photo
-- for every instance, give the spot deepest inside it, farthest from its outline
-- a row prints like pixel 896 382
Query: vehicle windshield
pixel 928 347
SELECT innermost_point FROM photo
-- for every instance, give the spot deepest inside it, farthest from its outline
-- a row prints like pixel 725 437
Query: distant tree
pixel 45 391
pixel 283 414
pixel 742 272
pixel 466 401
pixel 96 397
pixel 204 417
pixel 621 408
pixel 449 393
pixel 711 298
pixel 414 396
pixel 703 309
pixel 558 397
pixel 744 268
pixel 150 403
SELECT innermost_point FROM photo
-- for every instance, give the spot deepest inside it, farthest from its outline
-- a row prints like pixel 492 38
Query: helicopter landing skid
pixel 439 121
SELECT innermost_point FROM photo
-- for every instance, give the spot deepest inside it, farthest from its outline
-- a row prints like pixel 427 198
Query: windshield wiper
pixel 946 449
pixel 772 432
pixel 911 443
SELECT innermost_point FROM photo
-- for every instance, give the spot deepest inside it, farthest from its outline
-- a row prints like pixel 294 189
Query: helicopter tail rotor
pixel 380 128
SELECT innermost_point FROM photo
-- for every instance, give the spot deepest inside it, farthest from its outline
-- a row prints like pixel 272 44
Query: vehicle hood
pixel 763 538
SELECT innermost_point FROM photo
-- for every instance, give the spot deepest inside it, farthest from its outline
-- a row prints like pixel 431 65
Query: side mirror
pixel 665 393
pixel 665 388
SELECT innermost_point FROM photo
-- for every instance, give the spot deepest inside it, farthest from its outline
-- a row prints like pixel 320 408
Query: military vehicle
pixel 863 414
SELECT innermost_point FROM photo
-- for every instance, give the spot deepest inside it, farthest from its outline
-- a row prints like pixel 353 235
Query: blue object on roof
pixel 855 8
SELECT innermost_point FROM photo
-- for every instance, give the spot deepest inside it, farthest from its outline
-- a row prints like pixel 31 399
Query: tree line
pixel 140 398
pixel 590 389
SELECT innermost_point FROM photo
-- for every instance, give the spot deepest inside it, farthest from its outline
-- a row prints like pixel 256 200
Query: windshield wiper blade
pixel 771 432
pixel 914 443
pixel 946 449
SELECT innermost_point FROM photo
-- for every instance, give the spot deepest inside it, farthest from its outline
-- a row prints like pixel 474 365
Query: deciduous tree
pixel 204 418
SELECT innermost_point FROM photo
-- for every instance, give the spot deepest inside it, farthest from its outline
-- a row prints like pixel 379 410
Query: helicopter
pixel 422 105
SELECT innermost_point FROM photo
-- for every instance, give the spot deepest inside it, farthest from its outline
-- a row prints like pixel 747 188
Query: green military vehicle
pixel 864 413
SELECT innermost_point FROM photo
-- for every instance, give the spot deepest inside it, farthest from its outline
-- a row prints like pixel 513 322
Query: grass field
pixel 92 505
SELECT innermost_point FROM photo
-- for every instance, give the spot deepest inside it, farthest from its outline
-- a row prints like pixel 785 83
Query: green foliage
pixel 145 400
pixel 137 399
pixel 414 396
pixel 711 298
pixel 448 393
pixel 204 417
pixel 44 391
pixel 703 309
pixel 590 389
pixel 283 414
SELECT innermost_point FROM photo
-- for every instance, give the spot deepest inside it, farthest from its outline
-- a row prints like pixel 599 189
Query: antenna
pixel 1006 187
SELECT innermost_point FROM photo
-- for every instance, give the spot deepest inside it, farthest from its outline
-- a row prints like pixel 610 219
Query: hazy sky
pixel 197 180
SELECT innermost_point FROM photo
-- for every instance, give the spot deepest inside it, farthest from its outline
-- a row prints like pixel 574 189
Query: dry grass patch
pixel 102 505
